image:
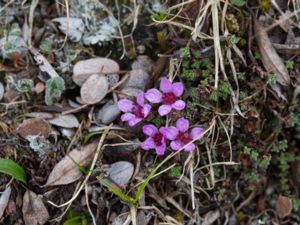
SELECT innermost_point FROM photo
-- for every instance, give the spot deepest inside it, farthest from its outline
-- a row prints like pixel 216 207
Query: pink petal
pixel 164 110
pixel 178 105
pixel 196 133
pixel 189 148
pixel 169 132
pixel 153 95
pixel 146 110
pixel 160 150
pixel 134 121
pixel 150 130
pixel 165 85
pixel 148 144
pixel 177 89
pixel 127 116
pixel 182 124
pixel 140 98
pixel 176 145
pixel 125 105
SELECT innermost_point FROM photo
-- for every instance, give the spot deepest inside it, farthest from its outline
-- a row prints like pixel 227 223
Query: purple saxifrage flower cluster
pixel 168 96
pixel 180 136
pixel 134 112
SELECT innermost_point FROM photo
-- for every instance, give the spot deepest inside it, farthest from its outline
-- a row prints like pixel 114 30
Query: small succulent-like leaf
pixel 76 220
pixel 239 3
pixel 25 85
pixel 54 88
pixel 12 169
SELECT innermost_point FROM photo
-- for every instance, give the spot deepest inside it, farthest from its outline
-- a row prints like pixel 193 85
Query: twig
pixel 247 201
pixel 75 110
pixel 6 5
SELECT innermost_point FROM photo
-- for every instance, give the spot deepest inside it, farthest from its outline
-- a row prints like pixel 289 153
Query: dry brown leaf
pixel 271 60
pixel 66 172
pixel 34 210
pixel 283 206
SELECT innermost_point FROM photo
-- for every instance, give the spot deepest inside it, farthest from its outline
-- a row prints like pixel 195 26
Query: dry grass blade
pixel 287 49
pixel 4 200
pixel 271 60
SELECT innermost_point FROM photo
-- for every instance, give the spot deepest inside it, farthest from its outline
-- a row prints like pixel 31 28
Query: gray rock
pixel 66 121
pixel 129 92
pixel 67 132
pixel 143 62
pixel 120 172
pixel 107 114
pixel 94 89
pixel 138 78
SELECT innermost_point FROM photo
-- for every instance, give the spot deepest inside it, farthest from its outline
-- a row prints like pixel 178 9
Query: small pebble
pixel 107 114
pixel 35 126
pixel 143 62
pixel 83 69
pixel 138 78
pixel 66 121
pixel 39 87
pixel 121 172
pixel 94 89
pixel 129 92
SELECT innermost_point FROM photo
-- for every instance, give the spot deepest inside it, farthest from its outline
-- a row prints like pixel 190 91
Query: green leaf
pixel 239 3
pixel 160 16
pixel 54 88
pixel 90 135
pixel 81 168
pixel 77 220
pixel 13 169
pixel 25 85
pixel 145 183
pixel 117 191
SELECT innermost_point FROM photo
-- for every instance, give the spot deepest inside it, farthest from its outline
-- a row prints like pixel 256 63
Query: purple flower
pixel 180 135
pixel 156 139
pixel 134 113
pixel 168 97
